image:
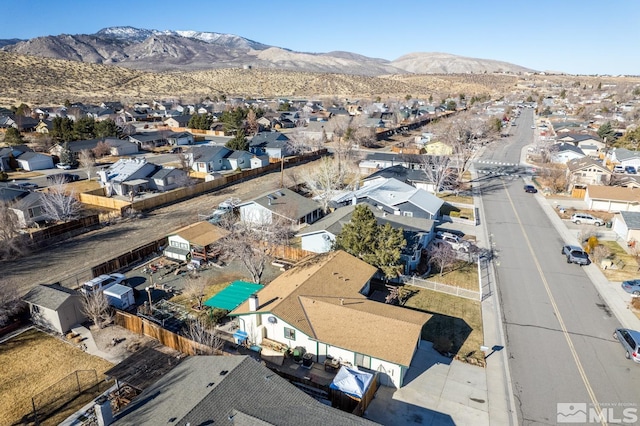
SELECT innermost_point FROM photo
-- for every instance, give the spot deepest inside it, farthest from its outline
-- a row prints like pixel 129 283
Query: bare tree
pixel 96 307
pixel 326 179
pixel 87 162
pixel 10 302
pixel 442 256
pixel 206 339
pixel 59 204
pixel 362 135
pixel 252 122
pixel 601 252
pixel 194 289
pixel 11 244
pixel 101 149
pixel 437 170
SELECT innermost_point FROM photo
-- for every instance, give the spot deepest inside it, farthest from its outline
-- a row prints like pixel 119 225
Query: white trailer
pixel 120 296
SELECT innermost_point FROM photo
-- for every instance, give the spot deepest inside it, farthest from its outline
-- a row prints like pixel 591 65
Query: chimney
pixel 253 302
pixel 103 411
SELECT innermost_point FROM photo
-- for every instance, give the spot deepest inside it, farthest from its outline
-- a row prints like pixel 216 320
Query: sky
pixel 572 36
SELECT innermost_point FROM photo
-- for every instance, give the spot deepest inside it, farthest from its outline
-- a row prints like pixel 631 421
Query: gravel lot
pixel 70 261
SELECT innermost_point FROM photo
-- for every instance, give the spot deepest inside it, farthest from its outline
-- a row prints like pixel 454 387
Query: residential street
pixel 558 328
pixel 71 260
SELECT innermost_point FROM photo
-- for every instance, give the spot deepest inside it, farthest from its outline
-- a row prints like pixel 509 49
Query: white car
pixel 63 166
pixel 579 218
pixel 453 240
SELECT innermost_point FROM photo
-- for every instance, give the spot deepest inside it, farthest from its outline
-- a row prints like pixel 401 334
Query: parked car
pixel 453 240
pixel 632 286
pixel 630 340
pixel 575 255
pixel 618 168
pixel 102 282
pixel 530 188
pixel 579 218
pixel 63 166
pixel 63 177
pixel 630 170
pixel 176 150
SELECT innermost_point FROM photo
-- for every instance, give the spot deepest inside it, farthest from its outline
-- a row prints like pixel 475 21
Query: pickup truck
pixel 575 254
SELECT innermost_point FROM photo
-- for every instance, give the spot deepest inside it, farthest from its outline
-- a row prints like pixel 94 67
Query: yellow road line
pixel 565 332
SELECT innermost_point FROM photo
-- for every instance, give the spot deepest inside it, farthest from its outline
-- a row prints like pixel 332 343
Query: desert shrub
pixel 592 243
pixel 600 252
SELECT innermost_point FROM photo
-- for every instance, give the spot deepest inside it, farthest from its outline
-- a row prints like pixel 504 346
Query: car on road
pixel 530 188
pixel 63 177
pixel 533 127
pixel 632 286
pixel 176 150
pixel 575 254
pixel 452 239
pixel 630 170
pixel 63 166
pixel 586 218
pixel 618 168
pixel 630 340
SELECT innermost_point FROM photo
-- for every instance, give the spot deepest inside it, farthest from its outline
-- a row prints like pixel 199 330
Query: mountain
pixel 445 63
pixel 153 50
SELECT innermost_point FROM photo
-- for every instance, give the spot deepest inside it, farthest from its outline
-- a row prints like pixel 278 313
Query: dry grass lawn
pixel 33 361
pixel 23 175
pixel 463 275
pixel 454 318
pixel 628 267
pixel 452 198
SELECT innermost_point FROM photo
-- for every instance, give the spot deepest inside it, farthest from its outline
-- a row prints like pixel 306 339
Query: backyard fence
pixel 165 337
pixel 442 288
pixel 131 257
pixel 55 233
pixel 55 397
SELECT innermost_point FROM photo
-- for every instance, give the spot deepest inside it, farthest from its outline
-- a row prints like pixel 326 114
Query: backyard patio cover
pixel 352 381
pixel 233 296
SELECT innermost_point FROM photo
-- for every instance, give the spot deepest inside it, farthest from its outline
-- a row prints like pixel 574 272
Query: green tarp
pixel 233 296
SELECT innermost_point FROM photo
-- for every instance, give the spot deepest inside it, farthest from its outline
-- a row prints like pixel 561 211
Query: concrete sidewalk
pixel 90 346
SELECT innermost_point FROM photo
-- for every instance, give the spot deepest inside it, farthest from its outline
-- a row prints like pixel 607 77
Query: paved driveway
pixel 435 385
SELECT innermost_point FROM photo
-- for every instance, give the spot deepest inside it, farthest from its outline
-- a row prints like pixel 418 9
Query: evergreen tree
pixel 606 131
pixel 66 156
pixel 239 142
pixel 13 136
pixel 106 128
pixel 84 128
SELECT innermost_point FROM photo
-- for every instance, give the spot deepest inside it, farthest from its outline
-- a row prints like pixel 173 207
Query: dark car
pixel 63 177
pixel 530 188
pixel 576 255
pixel 176 150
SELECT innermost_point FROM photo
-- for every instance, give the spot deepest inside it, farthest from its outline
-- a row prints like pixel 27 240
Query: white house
pixel 627 225
pixel 322 305
pixel 612 198
pixel 282 203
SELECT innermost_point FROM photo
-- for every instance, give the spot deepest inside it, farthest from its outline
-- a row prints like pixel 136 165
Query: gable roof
pixel 207 153
pixel 270 139
pixel 286 203
pixel 201 233
pixel 324 291
pixel 632 219
pixel 122 169
pixel 564 147
pixel 400 173
pixel 392 192
pixel 50 296
pixel 578 137
pixel 26 156
pixel 625 154
pixel 225 390
pixel 613 193
pixel 584 163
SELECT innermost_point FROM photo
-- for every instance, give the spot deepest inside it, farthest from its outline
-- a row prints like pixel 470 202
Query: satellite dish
pixel 272 319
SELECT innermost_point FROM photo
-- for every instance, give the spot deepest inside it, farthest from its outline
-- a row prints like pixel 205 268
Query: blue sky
pixel 580 37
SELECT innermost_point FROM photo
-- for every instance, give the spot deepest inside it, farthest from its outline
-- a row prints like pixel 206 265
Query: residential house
pixel 612 198
pixel 55 307
pixel 590 145
pixel 381 160
pixel 239 160
pixel 264 123
pixel 30 161
pixel 167 178
pixel 195 241
pixel 394 198
pixel 117 147
pixel 207 158
pixel 20 122
pixel 219 390
pixel 280 204
pixel 321 305
pixel 587 171
pixel 179 121
pixel 626 225
pixel 320 236
pixel 274 144
pixel 624 157
pixel 149 140
pixel 563 152
pixel 8 156
pixel 29 209
pixel 258 161
pixel 127 176
pixel 10 194
pixel 180 138
pixel 317 131
pixel 414 177
pixel 44 127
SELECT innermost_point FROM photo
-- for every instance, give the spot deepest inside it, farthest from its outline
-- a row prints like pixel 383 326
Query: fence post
pixel 479 279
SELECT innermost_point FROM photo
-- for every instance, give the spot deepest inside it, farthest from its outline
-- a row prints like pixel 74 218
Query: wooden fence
pixel 167 338
pixel 55 233
pixel 293 254
pixel 128 258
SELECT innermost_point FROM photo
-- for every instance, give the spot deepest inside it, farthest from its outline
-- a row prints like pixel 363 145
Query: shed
pixel 55 307
pixel 233 296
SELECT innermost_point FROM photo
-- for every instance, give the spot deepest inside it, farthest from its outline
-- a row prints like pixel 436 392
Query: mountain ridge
pixel 187 50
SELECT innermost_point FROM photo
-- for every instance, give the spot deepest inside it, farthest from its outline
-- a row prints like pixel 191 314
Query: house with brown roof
pixel 322 306
pixel 587 171
pixel 612 198
pixel 195 241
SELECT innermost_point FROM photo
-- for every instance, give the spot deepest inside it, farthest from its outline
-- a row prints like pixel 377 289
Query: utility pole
pixel 282 171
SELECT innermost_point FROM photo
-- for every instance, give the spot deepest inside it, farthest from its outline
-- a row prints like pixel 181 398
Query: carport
pixel 233 296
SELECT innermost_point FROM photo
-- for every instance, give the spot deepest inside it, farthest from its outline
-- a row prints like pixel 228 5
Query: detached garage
pixel 612 198
pixel 34 161
pixel 627 225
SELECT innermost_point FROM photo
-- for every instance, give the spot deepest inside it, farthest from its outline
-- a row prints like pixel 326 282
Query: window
pixel 289 333
pixel 408 214
pixel 35 309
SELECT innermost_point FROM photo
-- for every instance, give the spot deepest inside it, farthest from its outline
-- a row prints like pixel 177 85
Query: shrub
pixel 4 176
pixel 592 243
pixel 454 214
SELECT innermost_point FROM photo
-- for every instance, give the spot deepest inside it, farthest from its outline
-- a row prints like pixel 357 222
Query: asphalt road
pixel 558 329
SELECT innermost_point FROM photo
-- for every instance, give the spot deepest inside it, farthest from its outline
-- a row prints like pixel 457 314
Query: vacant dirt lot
pixel 71 261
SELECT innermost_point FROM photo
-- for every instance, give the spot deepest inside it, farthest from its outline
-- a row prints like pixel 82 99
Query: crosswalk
pixel 498 163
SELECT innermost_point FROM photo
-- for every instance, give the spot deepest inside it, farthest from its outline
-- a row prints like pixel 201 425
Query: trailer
pixel 120 296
